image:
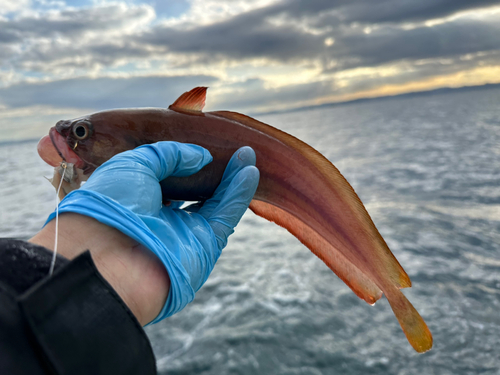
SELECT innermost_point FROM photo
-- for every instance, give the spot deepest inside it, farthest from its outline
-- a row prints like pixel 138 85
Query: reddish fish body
pixel 299 189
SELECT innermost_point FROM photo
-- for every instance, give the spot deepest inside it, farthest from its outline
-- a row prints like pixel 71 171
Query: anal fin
pixel 359 283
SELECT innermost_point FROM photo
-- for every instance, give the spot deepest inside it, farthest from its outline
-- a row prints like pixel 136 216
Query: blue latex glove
pixel 125 193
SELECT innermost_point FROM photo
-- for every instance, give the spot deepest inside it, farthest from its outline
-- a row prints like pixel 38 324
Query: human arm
pixel 134 272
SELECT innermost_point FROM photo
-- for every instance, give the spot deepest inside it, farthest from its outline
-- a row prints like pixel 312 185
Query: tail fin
pixel 414 327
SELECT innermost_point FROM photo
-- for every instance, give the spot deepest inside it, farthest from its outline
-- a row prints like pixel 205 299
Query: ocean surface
pixel 427 169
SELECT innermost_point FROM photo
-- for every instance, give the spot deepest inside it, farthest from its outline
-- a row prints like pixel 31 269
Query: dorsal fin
pixel 193 100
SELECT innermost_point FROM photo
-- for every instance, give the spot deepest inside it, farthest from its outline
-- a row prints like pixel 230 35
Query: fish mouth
pixel 62 148
pixel 53 149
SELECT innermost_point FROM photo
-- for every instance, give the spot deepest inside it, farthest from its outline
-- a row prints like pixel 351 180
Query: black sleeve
pixel 70 323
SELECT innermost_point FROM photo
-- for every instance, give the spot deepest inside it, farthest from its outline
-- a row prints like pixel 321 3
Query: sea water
pixel 426 168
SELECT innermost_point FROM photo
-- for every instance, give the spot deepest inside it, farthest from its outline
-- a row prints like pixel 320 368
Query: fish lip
pixel 51 135
pixel 64 151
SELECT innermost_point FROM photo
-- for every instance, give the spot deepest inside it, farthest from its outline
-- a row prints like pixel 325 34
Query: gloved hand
pixel 125 193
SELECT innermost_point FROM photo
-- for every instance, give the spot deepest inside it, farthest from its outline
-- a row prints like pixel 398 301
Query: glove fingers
pixel 131 178
pixel 242 158
pixel 233 204
pixel 166 158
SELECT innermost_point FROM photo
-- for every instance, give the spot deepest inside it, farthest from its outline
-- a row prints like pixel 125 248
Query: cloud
pixel 390 43
pixel 391 11
pixel 290 31
pixel 72 35
pixel 279 32
pixel 8 36
pixel 240 37
pixel 102 93
pixel 76 22
pixel 33 121
pixel 410 11
pixel 12 6
pixel 252 95
pixel 50 57
pixel 406 72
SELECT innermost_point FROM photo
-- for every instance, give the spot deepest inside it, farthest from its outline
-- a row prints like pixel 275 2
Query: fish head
pixel 89 141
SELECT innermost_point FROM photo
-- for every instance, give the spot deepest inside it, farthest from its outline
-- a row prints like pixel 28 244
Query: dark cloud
pixel 254 34
pixel 80 36
pixel 8 36
pixel 367 11
pixel 71 23
pixel 390 44
pixel 103 93
pixel 383 11
pixel 251 34
pixel 243 36
pixel 86 56
pixel 408 10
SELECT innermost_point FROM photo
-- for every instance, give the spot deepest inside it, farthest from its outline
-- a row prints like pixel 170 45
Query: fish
pixel 299 189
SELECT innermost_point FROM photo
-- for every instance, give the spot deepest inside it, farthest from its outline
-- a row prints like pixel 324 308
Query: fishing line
pixel 53 262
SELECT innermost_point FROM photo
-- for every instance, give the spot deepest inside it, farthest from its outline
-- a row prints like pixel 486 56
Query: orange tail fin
pixel 414 327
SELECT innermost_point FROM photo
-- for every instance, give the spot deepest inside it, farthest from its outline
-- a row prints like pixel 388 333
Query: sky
pixel 61 59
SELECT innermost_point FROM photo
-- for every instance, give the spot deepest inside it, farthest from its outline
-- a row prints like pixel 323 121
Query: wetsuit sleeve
pixel 70 323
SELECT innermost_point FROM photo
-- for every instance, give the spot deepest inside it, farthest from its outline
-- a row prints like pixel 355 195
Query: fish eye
pixel 81 131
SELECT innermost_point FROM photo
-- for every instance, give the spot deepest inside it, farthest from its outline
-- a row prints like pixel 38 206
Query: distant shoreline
pixel 440 91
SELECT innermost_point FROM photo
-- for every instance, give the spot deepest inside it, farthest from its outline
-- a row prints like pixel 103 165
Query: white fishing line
pixel 53 262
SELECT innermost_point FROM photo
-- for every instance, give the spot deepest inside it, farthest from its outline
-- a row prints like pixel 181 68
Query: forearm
pixel 73 322
pixel 133 271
